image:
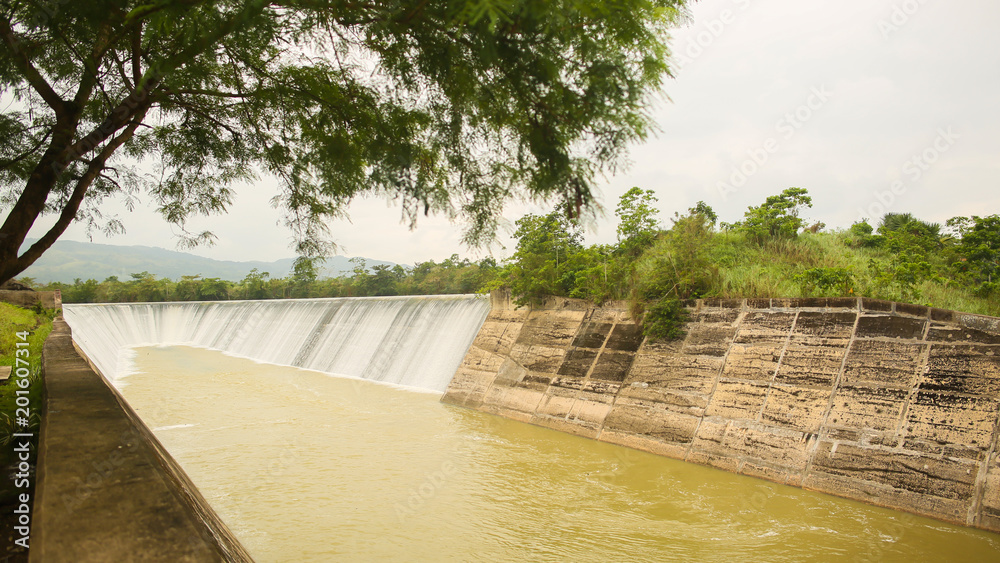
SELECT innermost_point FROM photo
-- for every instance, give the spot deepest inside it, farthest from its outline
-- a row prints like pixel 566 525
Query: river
pixel 304 466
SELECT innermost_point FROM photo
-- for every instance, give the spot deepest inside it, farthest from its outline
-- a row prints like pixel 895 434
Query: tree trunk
pixel 29 206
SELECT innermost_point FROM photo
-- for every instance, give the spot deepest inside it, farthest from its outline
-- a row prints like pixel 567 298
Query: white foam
pixel 414 342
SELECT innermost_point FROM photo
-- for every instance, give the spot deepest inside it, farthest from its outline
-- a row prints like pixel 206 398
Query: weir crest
pixel 415 342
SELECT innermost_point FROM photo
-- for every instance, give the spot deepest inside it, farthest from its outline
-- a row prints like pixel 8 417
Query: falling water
pixel 410 341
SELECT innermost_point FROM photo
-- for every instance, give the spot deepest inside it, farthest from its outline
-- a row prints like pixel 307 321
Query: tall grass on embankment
pixel 37 324
pixel 727 264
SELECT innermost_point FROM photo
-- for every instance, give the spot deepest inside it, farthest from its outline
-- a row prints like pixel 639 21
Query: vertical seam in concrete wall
pixel 823 431
pixel 718 375
pixel 593 365
pixel 975 507
pixel 922 364
pixel 777 367
pixel 604 344
pixel 486 392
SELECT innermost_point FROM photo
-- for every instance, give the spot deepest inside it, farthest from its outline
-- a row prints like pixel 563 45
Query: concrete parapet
pixel 106 489
pixel 888 403
pixel 28 298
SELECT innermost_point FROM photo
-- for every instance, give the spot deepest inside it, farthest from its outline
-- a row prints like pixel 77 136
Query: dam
pixel 409 341
pixel 388 472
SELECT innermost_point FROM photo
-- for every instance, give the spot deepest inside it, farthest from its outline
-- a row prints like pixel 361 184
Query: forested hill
pixel 68 260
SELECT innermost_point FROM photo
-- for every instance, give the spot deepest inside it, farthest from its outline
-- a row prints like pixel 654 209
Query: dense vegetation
pixel 450 276
pixel 771 252
pixel 452 107
pixel 37 324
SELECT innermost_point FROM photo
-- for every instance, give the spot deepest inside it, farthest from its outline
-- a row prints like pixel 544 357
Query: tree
pixel 776 218
pixel 213 289
pixel 637 222
pixel 543 262
pixel 678 266
pixel 187 288
pixel 305 272
pixel 145 287
pixel 454 106
pixel 896 222
pixel 607 271
pixel 384 279
pixel 254 285
pixel 980 243
pixel 706 211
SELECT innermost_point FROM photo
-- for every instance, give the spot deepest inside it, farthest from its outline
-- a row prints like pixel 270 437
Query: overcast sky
pixel 871 105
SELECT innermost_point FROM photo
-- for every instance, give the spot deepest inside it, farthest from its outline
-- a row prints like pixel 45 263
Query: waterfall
pixel 410 341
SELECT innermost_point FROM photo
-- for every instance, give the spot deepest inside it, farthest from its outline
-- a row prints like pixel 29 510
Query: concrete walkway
pixel 106 488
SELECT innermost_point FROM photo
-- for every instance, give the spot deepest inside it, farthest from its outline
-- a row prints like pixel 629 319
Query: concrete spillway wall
pixel 886 403
pixel 106 489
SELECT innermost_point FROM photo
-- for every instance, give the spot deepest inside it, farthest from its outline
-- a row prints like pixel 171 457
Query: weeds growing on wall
pixel 665 319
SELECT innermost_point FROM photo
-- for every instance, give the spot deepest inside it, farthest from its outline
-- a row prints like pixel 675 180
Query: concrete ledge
pixel 106 489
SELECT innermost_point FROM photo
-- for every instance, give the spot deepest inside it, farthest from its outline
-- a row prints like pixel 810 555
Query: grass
pixel 38 325
pixel 734 267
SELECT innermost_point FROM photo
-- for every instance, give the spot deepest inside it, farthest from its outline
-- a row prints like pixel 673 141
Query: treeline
pixel 450 276
pixel 771 252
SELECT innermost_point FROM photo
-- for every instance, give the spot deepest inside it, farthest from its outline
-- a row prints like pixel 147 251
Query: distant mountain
pixel 67 260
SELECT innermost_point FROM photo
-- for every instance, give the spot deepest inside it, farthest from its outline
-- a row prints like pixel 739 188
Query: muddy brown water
pixel 304 466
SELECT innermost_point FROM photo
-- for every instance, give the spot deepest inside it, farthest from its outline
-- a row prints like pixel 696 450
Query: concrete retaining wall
pixel 886 403
pixel 106 489
pixel 28 299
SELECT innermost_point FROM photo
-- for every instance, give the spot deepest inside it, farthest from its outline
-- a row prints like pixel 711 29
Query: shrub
pixel 665 319
pixel 777 218
pixel 826 281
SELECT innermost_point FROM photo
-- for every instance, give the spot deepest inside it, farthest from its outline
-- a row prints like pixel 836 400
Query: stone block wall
pixel 887 403
pixel 28 298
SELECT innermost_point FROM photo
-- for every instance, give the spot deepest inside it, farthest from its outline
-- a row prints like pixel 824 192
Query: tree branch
pixel 120 66
pixel 194 109
pixel 212 93
pixel 26 154
pixel 138 100
pixel 141 12
pixel 23 63
pixel 72 206
pixel 197 47
pixel 91 65
pixel 136 53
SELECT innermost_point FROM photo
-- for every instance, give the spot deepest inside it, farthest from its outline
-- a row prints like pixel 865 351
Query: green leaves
pixel 452 107
pixel 980 244
pixel 547 257
pixel 777 218
pixel 665 319
pixel 637 222
pixel 826 281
